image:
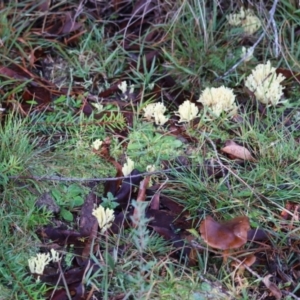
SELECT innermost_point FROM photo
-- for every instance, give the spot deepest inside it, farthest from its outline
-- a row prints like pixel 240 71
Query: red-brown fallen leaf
pixel 161 200
pixel 167 219
pixel 88 225
pixel 167 233
pixel 116 4
pixel 240 268
pixel 8 72
pixel 149 58
pixel 110 91
pixel 37 93
pixel 142 189
pixel 237 151
pixel 125 192
pixel 291 207
pixel 247 261
pixel 140 198
pixel 121 222
pixel 60 235
pixel 227 235
pixel 288 74
pixel 155 201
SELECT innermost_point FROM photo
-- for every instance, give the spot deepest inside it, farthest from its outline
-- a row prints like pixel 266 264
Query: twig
pixel 277 45
pixel 59 178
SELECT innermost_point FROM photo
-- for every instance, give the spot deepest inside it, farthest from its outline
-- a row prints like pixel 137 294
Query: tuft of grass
pixel 17 149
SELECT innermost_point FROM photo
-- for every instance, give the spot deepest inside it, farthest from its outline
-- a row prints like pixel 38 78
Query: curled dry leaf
pixel 237 151
pixel 227 235
pixel 248 261
pixel 272 287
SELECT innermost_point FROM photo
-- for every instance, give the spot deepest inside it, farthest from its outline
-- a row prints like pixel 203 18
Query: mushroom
pixel 227 235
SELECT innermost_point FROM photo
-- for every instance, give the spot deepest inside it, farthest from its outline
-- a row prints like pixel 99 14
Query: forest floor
pixel 149 150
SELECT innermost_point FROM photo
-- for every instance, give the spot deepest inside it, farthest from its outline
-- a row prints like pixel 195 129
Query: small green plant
pixel 68 197
pixel 148 146
pixel 109 201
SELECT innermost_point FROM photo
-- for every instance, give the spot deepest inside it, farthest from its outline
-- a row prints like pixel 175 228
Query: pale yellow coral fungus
pixel 251 24
pixel 105 217
pixel 187 111
pixel 55 255
pixel 265 84
pixel 247 54
pixel 128 167
pixel 123 86
pixel 246 19
pixel 97 144
pixel 156 111
pixel 218 100
pixel 38 263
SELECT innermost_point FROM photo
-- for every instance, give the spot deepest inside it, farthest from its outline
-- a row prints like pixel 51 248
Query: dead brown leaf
pixel 291 209
pixel 230 234
pixel 155 201
pixel 140 198
pixel 248 261
pixel 88 224
pixel 272 287
pixel 236 151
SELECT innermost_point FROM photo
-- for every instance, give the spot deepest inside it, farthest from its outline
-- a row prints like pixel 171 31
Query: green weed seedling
pixel 68 197
pixel 148 146
pixel 109 201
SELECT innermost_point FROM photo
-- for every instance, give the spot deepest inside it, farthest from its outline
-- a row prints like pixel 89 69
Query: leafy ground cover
pixel 149 150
